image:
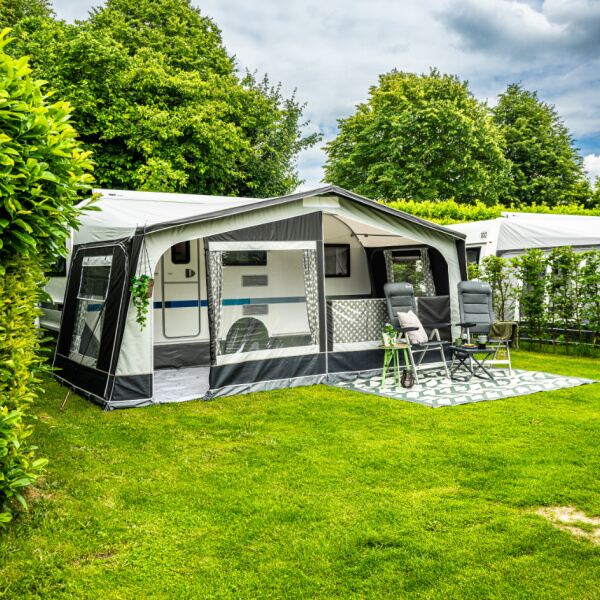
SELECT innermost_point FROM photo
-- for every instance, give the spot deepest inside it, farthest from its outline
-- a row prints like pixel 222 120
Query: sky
pixel 332 51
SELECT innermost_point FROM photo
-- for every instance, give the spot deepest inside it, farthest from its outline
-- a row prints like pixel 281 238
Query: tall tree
pixel 161 105
pixel 14 11
pixel 419 136
pixel 545 165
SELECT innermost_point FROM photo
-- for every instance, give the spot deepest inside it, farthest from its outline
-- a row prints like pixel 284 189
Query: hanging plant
pixel 141 287
pixel 141 292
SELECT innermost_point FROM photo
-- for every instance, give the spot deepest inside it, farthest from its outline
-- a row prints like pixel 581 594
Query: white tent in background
pixel 513 233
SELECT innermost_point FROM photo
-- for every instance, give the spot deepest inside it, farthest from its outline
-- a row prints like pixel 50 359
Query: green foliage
pixel 531 272
pixel 499 273
pixel 160 104
pixel 15 11
pixel 20 365
pixel 42 172
pixel 141 291
pixel 590 292
pixel 546 167
pixel 421 137
pixel 449 211
pixel 563 287
pixel 42 166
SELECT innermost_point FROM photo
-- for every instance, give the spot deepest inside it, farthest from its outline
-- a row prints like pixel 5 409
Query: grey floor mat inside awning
pixel 179 385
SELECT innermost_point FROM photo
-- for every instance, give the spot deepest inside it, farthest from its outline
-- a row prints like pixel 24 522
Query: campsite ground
pixel 313 492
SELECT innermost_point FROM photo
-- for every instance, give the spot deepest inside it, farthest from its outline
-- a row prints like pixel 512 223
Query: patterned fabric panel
pixel 353 321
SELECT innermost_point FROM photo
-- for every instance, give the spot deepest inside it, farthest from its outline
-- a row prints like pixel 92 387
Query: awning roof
pixel 123 213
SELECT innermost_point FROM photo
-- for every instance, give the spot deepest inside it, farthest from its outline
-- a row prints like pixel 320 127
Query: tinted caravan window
pixel 245 258
pixel 337 260
pixel 473 255
pixel 180 253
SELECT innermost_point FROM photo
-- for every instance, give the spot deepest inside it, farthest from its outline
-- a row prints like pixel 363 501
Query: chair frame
pixel 416 352
pixel 496 344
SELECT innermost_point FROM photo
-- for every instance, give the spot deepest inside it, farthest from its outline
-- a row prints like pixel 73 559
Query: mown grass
pixel 313 492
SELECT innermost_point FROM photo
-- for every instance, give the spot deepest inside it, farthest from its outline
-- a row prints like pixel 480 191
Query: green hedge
pixel 448 211
pixel 43 174
pixel 558 294
pixel 20 365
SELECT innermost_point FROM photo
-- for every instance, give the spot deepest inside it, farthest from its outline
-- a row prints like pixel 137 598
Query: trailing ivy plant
pixel 141 291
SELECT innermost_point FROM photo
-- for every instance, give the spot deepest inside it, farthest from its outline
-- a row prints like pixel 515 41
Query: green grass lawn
pixel 313 492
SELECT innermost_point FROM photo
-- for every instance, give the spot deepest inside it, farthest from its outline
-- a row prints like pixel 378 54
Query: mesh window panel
pixel 89 319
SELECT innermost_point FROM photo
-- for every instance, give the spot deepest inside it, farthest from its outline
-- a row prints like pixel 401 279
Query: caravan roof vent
pixel 255 280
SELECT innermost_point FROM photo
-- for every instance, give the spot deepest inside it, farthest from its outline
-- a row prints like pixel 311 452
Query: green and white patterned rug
pixel 436 390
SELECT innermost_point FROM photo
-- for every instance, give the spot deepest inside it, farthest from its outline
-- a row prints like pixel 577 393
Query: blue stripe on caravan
pixel 230 302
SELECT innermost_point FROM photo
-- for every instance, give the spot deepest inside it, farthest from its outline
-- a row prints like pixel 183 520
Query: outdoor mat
pixel 436 390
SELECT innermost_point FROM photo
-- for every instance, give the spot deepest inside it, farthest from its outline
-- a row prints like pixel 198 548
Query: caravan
pixel 514 233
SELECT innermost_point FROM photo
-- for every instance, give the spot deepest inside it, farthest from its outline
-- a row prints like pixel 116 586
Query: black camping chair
pixel 477 317
pixel 400 297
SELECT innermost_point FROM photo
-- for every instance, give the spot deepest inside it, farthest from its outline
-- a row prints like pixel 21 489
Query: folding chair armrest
pixel 407 329
pixel 466 325
pixel 436 325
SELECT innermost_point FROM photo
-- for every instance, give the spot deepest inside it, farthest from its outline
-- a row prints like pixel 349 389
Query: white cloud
pixel 591 164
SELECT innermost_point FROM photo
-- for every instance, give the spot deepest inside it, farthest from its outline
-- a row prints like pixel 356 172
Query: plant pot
pixel 150 288
pixel 386 339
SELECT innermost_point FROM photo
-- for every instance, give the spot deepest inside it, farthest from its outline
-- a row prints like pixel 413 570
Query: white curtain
pixel 215 297
pixel 311 287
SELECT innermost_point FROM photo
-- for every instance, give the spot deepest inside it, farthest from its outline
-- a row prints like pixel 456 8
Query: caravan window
pixel 245 258
pixel 337 260
pixel 473 255
pixel 180 253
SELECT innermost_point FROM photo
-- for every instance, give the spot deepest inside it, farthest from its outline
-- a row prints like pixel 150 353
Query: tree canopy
pixel 546 168
pixel 160 103
pixel 419 137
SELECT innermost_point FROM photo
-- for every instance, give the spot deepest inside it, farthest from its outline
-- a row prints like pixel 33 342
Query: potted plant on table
pixel 389 335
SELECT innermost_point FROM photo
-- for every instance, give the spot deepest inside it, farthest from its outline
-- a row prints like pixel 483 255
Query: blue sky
pixel 331 51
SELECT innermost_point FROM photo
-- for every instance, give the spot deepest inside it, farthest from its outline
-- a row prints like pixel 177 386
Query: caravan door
pixel 180 268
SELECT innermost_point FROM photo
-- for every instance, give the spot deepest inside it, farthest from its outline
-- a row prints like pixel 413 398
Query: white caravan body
pixel 514 233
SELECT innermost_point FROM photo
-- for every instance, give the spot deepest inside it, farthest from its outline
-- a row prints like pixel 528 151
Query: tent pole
pixel 64 402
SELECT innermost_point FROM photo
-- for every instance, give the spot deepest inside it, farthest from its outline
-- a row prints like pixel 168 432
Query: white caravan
pixel 513 233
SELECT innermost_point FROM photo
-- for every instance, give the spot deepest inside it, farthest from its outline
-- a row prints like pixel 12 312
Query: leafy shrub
pixel 531 273
pixel 20 364
pixel 43 170
pixel 558 295
pixel 42 166
pixel 499 273
pixel 590 292
pixel 563 287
